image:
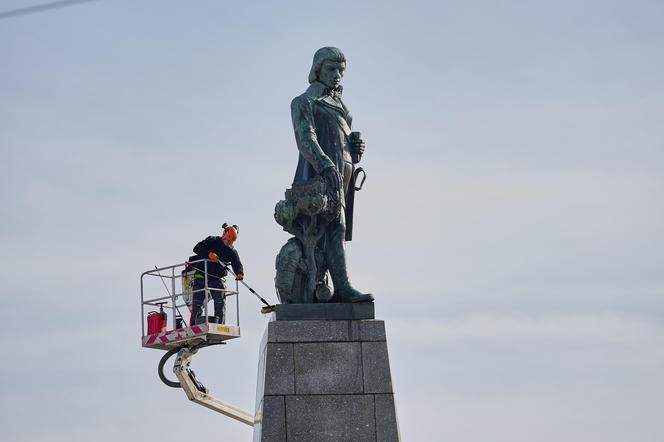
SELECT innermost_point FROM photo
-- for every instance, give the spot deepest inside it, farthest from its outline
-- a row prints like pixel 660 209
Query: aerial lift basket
pixel 186 341
pixel 162 334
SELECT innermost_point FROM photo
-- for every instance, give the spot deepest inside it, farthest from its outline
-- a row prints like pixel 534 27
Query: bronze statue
pixel 318 208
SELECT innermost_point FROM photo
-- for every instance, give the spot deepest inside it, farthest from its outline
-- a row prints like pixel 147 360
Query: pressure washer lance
pixel 264 310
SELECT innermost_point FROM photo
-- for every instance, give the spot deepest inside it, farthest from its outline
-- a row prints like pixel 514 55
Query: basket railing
pixel 177 282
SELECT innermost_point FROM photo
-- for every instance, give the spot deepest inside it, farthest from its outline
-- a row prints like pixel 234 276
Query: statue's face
pixel 331 72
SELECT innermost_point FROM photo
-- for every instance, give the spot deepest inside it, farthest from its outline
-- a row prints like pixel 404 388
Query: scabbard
pixel 350 202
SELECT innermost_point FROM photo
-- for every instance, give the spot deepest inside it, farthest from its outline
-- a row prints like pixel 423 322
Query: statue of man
pixel 328 148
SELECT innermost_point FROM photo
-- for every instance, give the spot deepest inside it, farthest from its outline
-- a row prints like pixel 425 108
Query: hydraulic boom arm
pixel 198 393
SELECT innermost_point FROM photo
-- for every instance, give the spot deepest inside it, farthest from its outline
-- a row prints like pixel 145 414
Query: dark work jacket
pixel 226 254
pixel 322 125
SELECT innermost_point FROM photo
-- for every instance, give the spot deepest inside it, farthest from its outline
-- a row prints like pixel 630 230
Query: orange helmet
pixel 230 232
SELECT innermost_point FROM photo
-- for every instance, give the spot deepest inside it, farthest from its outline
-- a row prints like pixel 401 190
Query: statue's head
pixel 328 66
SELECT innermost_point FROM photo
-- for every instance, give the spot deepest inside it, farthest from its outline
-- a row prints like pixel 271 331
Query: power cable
pixel 39 8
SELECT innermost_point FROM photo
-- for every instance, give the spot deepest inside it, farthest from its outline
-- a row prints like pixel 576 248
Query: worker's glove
pixel 213 257
pixel 239 277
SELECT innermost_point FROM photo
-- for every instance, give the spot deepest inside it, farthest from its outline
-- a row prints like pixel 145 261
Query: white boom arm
pixel 196 392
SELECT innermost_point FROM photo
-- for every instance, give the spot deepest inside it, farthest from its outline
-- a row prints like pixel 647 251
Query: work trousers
pixel 215 290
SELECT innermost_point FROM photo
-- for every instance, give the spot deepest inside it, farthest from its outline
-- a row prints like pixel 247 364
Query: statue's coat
pixel 322 126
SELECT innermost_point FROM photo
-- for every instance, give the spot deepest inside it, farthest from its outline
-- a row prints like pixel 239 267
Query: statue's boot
pixel 343 291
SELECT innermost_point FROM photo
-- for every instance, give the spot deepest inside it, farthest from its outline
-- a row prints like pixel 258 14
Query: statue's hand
pixel 332 177
pixel 358 146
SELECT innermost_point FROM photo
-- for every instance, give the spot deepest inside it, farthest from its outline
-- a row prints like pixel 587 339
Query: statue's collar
pixel 318 90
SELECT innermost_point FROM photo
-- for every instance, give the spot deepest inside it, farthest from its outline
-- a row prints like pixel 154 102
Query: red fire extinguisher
pixel 157 321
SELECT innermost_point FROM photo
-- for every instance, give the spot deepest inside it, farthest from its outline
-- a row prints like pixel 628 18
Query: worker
pixel 219 250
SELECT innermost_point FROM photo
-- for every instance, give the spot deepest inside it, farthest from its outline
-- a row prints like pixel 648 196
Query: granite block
pixel 354 331
pixel 260 382
pixel 330 418
pixel 280 372
pixel 364 310
pixel 324 311
pixel 376 368
pixel 272 425
pixel 372 330
pixel 328 368
pixel 387 425
pixel 325 381
pixel 308 331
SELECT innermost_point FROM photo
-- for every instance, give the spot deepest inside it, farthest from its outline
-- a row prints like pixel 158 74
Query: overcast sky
pixel 511 226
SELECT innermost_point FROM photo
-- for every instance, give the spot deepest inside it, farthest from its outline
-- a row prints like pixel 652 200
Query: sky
pixel 510 227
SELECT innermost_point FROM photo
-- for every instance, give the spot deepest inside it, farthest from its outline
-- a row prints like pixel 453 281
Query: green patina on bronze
pixel 318 208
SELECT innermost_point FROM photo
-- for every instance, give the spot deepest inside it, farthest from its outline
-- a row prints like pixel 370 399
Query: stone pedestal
pixel 323 380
